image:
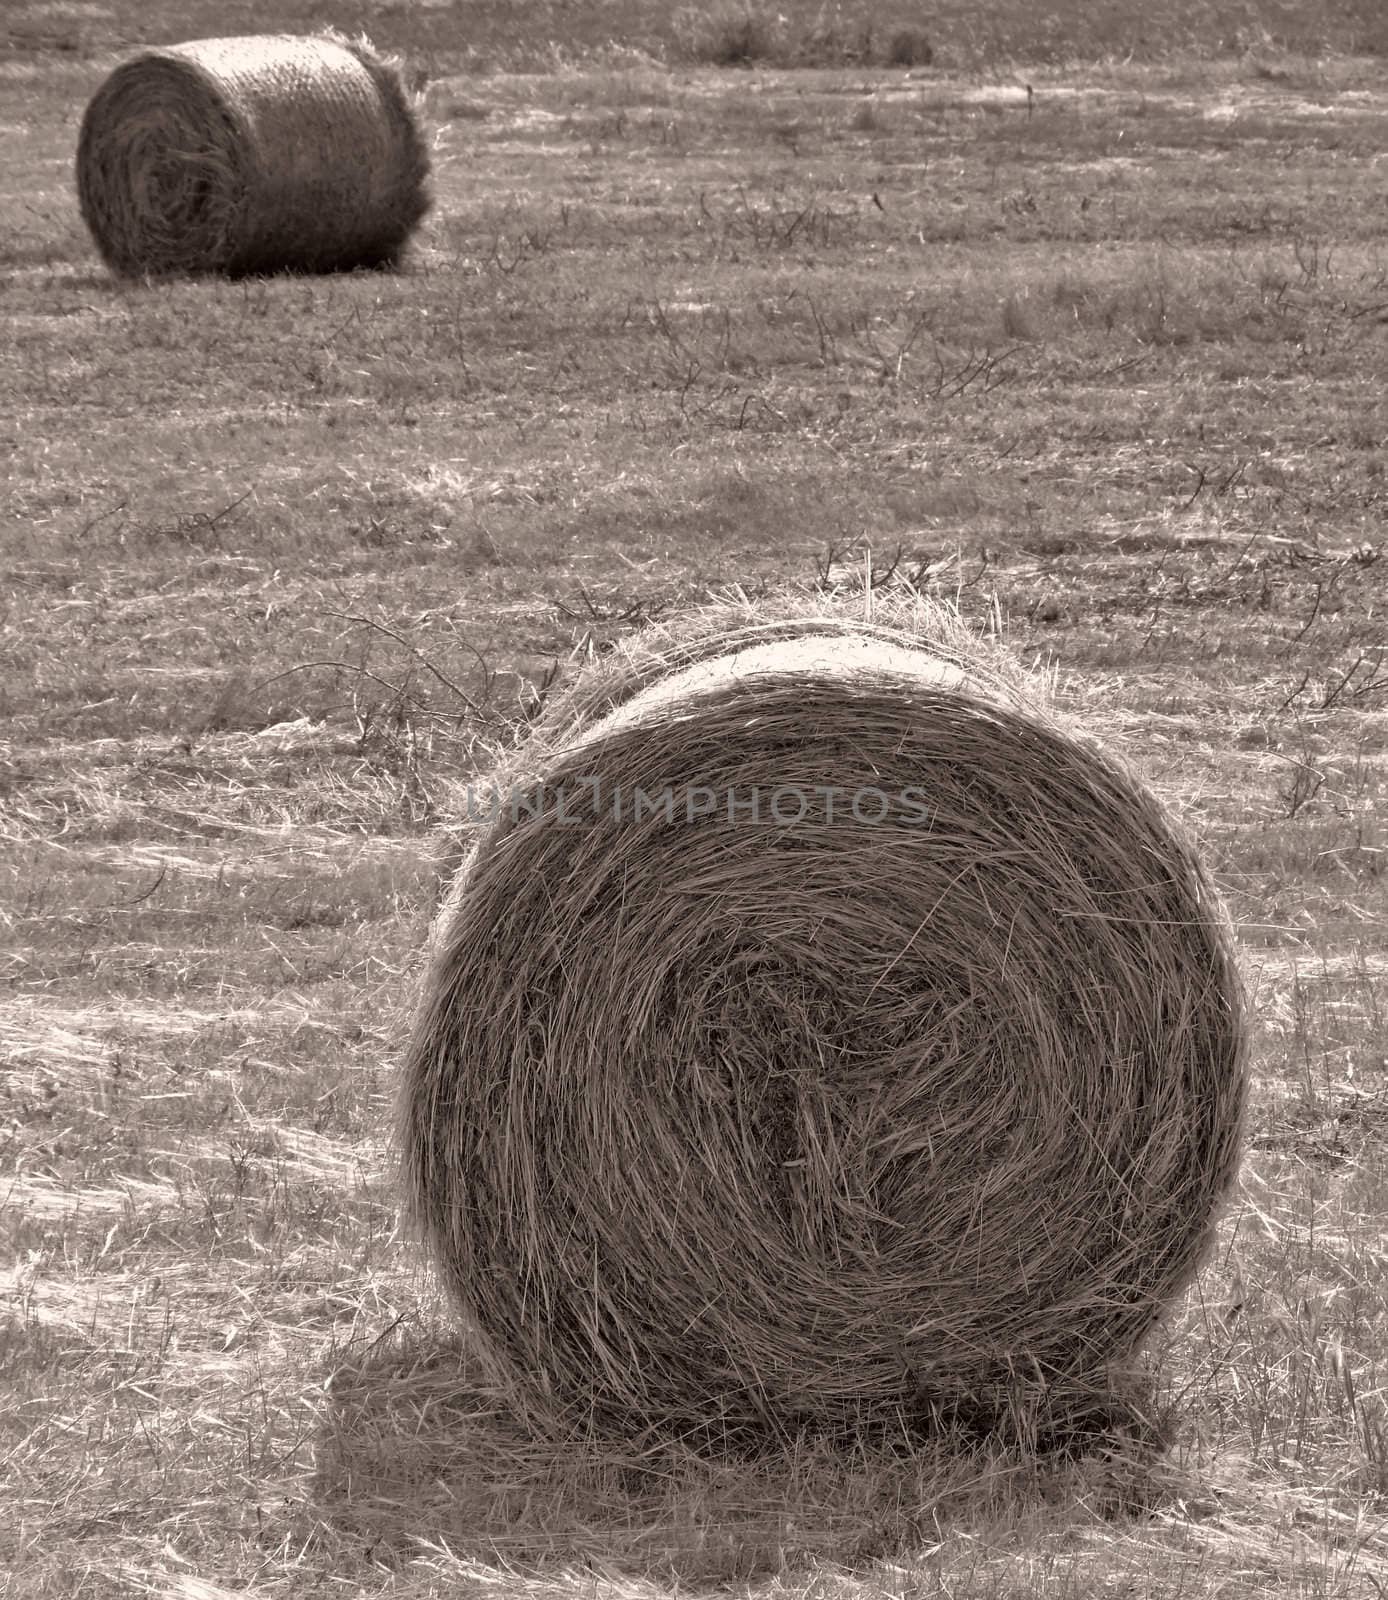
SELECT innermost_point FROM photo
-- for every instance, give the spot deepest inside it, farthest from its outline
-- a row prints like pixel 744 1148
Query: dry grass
pixel 658 339
pixel 250 155
pixel 961 34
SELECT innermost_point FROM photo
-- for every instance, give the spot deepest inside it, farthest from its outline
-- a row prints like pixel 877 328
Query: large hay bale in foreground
pixel 929 1072
pixel 257 154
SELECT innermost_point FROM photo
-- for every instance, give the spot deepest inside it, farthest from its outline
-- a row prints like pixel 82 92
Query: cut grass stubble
pixel 1175 500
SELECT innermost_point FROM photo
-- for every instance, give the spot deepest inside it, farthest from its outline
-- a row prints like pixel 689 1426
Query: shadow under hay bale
pixel 255 154
pixel 729 1114
pixel 415 1449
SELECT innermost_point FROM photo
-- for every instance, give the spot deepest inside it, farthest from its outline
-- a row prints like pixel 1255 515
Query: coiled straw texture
pixel 246 155
pixel 892 1046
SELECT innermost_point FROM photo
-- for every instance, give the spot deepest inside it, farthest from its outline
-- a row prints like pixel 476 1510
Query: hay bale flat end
pixel 760 1112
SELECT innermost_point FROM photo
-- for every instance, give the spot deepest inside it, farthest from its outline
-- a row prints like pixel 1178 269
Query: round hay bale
pixel 245 155
pixel 817 1031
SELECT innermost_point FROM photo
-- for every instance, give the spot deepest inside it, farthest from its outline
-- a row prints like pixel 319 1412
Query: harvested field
pixel 286 560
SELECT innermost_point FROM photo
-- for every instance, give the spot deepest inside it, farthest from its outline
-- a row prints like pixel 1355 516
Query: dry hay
pixel 761 1125
pixel 256 154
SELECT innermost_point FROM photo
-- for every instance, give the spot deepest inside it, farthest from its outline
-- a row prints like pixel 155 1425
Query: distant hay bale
pixel 256 154
pixel 924 1075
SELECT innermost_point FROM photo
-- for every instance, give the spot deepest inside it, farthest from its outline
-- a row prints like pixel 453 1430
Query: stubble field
pixel 1095 347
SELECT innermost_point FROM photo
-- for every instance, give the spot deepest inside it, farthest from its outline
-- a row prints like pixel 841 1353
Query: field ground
pixel 281 558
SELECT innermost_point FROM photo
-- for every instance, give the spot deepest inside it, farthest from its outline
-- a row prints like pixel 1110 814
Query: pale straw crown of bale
pixel 725 1119
pixel 252 154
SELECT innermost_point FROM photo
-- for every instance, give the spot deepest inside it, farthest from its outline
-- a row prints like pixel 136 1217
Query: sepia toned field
pixel 1083 326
